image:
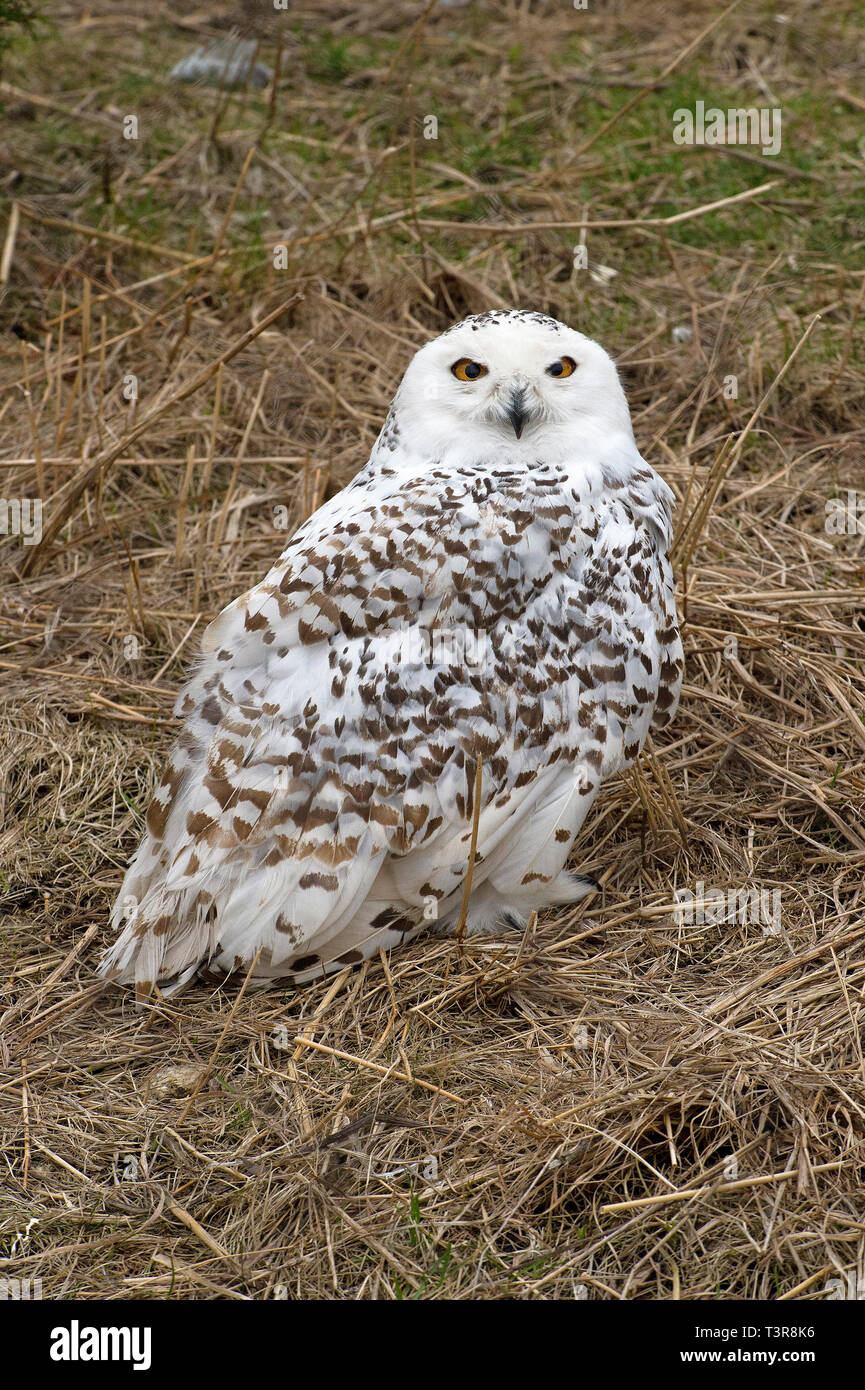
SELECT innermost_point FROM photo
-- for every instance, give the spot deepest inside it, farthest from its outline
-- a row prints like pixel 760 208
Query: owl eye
pixel 467 370
pixel 566 366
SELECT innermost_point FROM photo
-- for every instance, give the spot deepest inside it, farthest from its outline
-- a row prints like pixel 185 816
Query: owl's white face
pixel 516 382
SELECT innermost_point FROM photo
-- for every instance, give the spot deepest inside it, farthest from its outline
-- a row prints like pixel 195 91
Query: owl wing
pixel 320 794
pixel 328 730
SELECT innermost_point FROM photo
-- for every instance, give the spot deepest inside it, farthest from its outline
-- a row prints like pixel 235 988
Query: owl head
pixel 512 382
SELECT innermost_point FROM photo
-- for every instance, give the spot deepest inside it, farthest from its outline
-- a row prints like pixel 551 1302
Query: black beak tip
pixel 517 417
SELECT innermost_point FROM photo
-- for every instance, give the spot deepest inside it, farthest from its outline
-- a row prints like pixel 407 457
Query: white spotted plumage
pixel 493 584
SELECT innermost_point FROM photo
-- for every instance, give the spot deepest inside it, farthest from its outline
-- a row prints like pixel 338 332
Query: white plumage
pixel 495 584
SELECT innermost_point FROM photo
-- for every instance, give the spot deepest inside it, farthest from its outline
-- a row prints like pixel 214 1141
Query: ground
pixel 633 1101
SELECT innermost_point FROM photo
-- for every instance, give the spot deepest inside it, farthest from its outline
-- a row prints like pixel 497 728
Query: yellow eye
pixel 467 370
pixel 566 366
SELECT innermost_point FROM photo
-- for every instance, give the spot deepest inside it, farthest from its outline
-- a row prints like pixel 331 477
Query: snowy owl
pixel 494 585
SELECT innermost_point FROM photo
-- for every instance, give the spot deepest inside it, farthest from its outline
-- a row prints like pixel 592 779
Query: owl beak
pixel 516 411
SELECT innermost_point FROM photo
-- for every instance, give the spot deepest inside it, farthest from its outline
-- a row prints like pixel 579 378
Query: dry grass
pixel 620 1104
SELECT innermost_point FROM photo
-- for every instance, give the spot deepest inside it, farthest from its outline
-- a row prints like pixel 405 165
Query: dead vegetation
pixel 623 1104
